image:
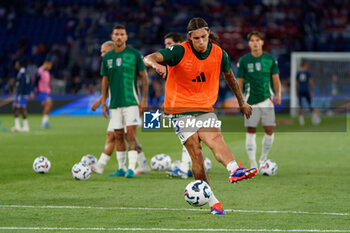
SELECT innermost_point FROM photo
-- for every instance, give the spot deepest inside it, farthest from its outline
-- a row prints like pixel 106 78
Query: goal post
pixel 323 66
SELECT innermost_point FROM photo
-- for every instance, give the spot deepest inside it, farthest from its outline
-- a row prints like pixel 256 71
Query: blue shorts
pixel 306 95
pixel 20 101
pixel 43 97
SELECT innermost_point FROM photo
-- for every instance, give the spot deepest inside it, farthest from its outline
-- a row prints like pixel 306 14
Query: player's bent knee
pixel 269 130
pixel 251 130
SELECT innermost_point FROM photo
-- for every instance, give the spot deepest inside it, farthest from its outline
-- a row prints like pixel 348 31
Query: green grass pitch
pixel 310 193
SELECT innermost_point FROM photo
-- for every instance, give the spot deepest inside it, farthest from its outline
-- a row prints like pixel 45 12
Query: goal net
pixel 331 76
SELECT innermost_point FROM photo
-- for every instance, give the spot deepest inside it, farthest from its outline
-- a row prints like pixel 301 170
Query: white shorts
pixel 122 117
pixel 264 111
pixel 205 120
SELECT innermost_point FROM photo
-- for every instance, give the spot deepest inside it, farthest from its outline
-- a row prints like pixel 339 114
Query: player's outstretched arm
pixel 277 86
pixel 245 108
pixel 105 86
pixel 96 104
pixel 153 60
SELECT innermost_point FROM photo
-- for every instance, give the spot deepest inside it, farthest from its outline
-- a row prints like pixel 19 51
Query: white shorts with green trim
pixel 124 116
pixel 264 112
pixel 187 125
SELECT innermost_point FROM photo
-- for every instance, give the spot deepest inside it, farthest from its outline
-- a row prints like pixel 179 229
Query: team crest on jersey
pixel 258 66
pixel 110 63
pixel 250 67
pixel 119 61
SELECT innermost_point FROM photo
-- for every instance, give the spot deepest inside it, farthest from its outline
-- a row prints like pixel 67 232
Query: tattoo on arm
pixel 233 84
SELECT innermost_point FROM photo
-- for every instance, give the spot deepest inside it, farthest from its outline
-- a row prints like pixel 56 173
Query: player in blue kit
pixel 23 90
pixel 305 90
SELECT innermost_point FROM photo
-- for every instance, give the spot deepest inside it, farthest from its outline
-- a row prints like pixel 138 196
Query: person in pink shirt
pixel 42 87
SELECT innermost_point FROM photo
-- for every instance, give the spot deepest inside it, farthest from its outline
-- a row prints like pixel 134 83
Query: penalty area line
pixel 167 229
pixel 172 209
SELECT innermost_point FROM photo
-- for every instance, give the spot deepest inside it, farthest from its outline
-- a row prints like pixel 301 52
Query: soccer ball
pixel 197 193
pixel 207 164
pixel 89 160
pixel 41 165
pixel 81 171
pixel 268 168
pixel 161 162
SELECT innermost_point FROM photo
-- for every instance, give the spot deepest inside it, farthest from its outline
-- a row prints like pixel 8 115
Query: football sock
pixel 212 199
pixel 266 146
pixel 185 160
pixel 25 123
pixel 184 166
pixel 45 119
pixel 315 118
pixel 132 155
pixel 103 160
pixel 250 145
pixel 301 120
pixel 141 159
pixel 17 124
pixel 185 156
pixel 121 157
pixel 232 166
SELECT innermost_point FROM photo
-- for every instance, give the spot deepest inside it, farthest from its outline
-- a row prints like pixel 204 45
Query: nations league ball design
pixel 161 162
pixel 41 165
pixel 89 160
pixel 268 168
pixel 81 171
pixel 197 193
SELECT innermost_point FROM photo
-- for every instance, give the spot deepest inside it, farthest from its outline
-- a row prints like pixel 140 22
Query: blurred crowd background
pixel 71 31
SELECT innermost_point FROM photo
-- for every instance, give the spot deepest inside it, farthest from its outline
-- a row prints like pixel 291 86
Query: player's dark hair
pixel 198 23
pixel 119 26
pixel 255 33
pixel 48 58
pixel 177 38
pixel 303 63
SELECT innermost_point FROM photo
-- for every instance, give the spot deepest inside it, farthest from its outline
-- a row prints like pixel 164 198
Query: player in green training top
pixel 259 71
pixel 120 69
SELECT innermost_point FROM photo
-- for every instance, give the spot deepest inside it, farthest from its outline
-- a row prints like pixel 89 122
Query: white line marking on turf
pixel 170 209
pixel 167 229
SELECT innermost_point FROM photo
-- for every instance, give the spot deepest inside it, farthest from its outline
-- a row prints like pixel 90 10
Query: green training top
pixel 122 72
pixel 257 73
pixel 173 55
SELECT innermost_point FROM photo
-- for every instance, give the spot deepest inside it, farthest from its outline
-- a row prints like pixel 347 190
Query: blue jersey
pixel 303 77
pixel 23 82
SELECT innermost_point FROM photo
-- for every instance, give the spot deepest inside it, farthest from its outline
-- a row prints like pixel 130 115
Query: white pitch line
pixel 170 209
pixel 168 229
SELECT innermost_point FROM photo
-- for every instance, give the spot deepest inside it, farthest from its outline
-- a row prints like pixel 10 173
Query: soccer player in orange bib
pixel 191 91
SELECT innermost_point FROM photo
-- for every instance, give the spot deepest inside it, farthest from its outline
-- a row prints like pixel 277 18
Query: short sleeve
pixel 275 69
pixel 240 69
pixel 103 71
pixel 173 55
pixel 225 62
pixel 139 61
